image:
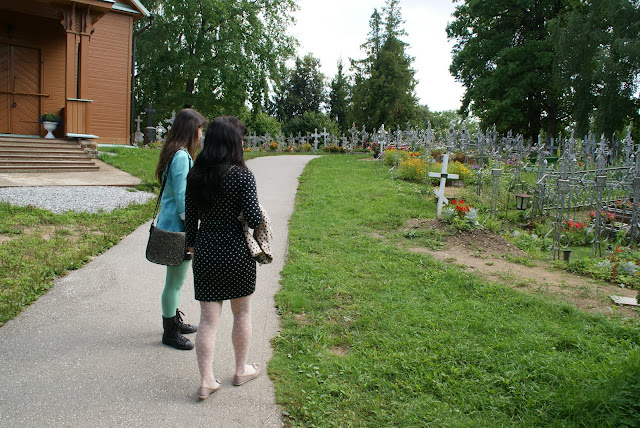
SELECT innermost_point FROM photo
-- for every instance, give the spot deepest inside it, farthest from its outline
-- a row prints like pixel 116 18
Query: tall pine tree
pixel 339 99
pixel 384 82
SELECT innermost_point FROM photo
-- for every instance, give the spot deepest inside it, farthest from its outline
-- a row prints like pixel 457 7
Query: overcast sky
pixel 334 29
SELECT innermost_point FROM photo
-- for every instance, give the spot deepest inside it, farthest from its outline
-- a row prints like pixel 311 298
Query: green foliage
pixel 394 156
pixel 413 169
pixel 213 55
pixel 302 90
pixel 548 65
pixel 506 66
pixel 262 124
pixel 384 82
pixel 309 123
pixel 598 62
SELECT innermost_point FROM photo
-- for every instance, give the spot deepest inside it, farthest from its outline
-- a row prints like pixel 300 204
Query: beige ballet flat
pixel 242 379
pixel 204 392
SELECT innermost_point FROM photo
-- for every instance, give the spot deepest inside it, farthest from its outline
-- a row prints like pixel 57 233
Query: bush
pixel 413 169
pixel 306 147
pixel 453 168
pixel 394 157
pixel 460 169
pixel 458 157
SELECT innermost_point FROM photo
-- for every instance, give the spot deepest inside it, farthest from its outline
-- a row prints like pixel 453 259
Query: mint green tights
pixel 172 286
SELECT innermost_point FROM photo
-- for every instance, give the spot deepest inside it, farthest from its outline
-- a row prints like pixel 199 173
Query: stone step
pixel 28 169
pixel 55 162
pixel 21 154
pixel 36 145
pixel 43 155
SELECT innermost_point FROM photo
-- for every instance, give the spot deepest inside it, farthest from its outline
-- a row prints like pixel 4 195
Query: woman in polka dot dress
pixel 219 187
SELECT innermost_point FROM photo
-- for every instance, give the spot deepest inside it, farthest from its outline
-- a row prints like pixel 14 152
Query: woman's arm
pixel 191 222
pixel 250 205
pixel 179 170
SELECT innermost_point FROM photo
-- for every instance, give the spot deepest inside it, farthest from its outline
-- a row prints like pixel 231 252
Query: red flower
pixel 618 249
pixel 454 202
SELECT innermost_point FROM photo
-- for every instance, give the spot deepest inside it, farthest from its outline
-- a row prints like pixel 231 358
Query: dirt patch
pixel 48 232
pixel 483 253
pixel 338 350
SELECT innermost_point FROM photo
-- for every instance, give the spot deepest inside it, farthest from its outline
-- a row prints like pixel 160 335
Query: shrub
pixel 458 157
pixel 395 157
pixel 306 147
pixel 453 168
pixel 273 146
pixel 412 169
pixel 334 149
pixel 460 169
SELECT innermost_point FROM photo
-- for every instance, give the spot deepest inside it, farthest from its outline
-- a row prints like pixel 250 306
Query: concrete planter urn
pixel 50 127
pixel 50 122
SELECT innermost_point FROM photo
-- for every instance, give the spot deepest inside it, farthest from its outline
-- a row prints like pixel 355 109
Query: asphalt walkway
pixel 89 352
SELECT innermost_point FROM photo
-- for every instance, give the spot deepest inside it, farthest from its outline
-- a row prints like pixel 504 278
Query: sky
pixel 334 29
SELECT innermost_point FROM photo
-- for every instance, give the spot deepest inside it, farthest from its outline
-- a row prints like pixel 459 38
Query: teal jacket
pixel 172 208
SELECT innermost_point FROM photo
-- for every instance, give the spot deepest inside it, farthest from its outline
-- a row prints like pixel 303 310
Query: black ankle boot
pixel 172 336
pixel 184 328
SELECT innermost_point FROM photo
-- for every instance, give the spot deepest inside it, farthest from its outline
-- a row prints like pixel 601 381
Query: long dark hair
pixel 183 133
pixel 222 149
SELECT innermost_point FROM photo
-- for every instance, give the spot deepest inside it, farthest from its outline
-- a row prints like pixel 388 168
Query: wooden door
pixel 19 90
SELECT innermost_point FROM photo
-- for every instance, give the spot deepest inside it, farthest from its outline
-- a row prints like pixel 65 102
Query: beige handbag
pixel 259 242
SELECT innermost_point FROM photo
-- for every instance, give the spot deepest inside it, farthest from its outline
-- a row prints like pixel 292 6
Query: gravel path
pixel 91 199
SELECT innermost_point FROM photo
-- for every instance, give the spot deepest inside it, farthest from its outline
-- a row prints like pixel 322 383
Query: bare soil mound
pixel 484 253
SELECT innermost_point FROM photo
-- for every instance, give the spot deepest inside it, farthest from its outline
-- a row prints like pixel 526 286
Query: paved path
pixel 88 353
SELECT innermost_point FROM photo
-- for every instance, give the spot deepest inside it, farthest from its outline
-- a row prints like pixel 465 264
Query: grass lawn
pixel 375 336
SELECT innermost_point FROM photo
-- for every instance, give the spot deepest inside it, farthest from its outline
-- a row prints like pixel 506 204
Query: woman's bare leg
pixel 241 334
pixel 206 341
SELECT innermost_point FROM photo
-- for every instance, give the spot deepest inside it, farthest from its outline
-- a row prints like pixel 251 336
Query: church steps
pixel 43 155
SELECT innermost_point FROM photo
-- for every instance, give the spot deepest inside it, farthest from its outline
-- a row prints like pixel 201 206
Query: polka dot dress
pixel 222 266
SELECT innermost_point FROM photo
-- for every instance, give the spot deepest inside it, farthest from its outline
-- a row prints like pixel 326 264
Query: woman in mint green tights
pixel 176 158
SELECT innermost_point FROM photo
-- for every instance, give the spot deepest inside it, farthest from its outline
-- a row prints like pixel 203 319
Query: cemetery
pixel 567 200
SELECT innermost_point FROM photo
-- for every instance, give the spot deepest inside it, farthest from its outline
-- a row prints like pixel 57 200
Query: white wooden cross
pixel 315 136
pixel 443 181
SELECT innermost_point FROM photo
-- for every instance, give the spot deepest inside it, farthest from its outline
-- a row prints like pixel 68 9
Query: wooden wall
pixel 49 36
pixel 109 78
pixel 109 68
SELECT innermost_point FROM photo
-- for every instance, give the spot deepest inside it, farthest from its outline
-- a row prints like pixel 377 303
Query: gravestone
pixel 138 136
pixel 150 130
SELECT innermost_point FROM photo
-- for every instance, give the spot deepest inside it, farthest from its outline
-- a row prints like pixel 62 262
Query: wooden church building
pixel 68 57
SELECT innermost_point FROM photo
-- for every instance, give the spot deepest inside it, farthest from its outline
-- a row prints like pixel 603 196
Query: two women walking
pixel 211 197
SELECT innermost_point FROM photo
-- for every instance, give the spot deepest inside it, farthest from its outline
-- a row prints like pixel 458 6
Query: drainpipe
pixel 133 76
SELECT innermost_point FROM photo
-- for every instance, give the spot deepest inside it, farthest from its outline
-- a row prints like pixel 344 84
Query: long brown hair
pixel 222 149
pixel 183 133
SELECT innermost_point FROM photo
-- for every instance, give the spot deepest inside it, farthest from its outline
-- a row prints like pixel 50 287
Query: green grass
pixel 375 336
